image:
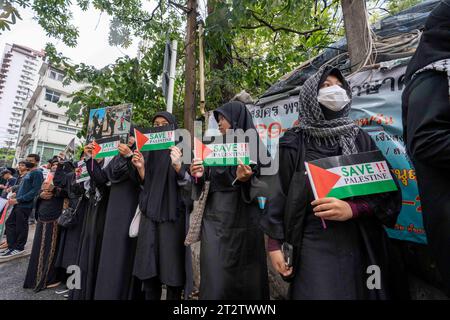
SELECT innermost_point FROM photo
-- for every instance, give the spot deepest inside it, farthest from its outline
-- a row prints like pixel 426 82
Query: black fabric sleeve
pixel 96 172
pixel 119 169
pixel 383 206
pixel 272 222
pixel 428 119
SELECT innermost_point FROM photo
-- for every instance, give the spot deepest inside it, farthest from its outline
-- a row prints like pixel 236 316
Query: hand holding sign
pixel 88 149
pixel 138 160
pixel 197 168
pixel 332 209
pixel 175 156
pixel 124 150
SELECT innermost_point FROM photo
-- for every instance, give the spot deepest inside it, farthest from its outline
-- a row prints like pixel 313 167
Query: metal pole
pixel 201 68
pixel 173 64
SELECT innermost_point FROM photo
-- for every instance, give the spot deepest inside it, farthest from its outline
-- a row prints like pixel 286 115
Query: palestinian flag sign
pixel 106 147
pixel 348 176
pixel 157 138
pixel 222 154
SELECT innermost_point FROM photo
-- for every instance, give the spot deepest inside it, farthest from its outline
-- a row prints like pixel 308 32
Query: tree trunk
pixel 356 31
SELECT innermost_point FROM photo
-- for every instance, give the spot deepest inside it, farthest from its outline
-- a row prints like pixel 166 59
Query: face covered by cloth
pixel 334 98
pixel 320 125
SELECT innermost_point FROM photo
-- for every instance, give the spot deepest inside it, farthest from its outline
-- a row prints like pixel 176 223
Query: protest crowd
pixel 126 213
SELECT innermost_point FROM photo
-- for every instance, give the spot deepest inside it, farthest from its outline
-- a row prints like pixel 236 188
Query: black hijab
pixel 236 113
pixel 159 199
pixel 435 40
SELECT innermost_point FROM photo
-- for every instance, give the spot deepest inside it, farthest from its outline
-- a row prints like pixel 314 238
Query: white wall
pixel 8 97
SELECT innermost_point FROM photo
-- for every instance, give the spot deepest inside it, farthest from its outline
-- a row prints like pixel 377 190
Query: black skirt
pixel 41 270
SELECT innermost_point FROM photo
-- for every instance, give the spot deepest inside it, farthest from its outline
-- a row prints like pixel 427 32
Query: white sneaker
pixel 12 253
pixel 61 291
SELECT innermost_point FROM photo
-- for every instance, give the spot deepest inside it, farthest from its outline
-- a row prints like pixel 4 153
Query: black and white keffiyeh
pixel 441 65
pixel 313 123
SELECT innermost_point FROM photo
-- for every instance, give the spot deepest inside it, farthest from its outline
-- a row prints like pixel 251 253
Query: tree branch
pixel 279 28
pixel 179 6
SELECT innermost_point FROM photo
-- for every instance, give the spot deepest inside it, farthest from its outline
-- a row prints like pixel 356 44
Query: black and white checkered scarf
pixel 441 65
pixel 312 121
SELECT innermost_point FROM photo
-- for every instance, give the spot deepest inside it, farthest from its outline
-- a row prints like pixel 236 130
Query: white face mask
pixel 334 97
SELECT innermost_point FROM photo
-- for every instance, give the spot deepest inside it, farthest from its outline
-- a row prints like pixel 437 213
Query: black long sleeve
pixel 428 119
pixel 96 172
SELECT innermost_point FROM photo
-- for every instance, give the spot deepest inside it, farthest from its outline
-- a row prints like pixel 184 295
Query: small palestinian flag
pixel 222 154
pixel 157 138
pixel 106 147
pixel 348 176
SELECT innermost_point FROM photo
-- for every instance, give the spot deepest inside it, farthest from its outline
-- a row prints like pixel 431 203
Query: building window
pixel 56 75
pixel 67 129
pixel 49 115
pixel 52 96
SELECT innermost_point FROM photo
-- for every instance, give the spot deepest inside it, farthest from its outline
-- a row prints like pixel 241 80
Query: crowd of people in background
pixel 126 227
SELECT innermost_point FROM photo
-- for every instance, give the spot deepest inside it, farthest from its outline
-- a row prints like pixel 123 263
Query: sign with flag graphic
pixel 156 138
pixel 81 172
pixel 106 147
pixel 222 154
pixel 348 176
pixel 69 150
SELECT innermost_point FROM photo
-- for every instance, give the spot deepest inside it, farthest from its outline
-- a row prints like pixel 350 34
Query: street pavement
pixel 12 275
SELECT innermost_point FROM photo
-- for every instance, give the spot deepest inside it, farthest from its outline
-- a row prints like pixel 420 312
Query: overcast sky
pixel 92 48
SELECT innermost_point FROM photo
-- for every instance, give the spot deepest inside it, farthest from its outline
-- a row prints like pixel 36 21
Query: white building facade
pixel 46 130
pixel 19 76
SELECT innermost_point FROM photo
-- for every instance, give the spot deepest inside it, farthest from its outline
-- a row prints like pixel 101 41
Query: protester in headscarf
pixel 330 257
pixel 160 253
pixel 232 255
pixel 426 129
pixel 41 272
pixel 70 234
pixel 97 190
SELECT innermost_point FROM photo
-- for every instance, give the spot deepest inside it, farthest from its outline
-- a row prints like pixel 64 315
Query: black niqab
pixel 236 114
pixel 159 199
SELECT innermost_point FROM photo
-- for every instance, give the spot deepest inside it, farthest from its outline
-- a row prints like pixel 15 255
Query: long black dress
pixel 232 254
pixel 426 129
pixel 427 139
pixel 41 268
pixel 114 279
pixel 92 233
pixel 70 237
pixel 329 263
pixel 160 253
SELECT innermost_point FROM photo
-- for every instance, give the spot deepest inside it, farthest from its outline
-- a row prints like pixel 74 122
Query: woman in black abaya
pixel 232 255
pixel 115 279
pixel 331 262
pixel 160 252
pixel 70 236
pixel 41 272
pixel 426 128
pixel 98 188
